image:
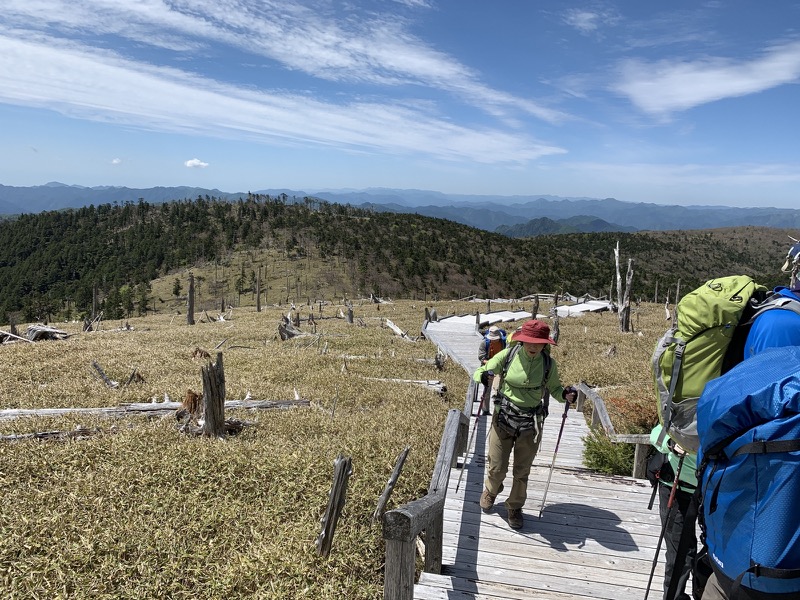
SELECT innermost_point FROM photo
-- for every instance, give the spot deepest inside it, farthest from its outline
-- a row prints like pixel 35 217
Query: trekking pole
pixel 471 437
pixel 553 462
pixel 670 514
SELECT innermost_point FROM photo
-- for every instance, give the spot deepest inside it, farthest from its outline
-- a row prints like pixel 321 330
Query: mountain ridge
pixel 487 212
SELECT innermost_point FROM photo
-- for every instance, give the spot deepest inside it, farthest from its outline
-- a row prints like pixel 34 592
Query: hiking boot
pixel 487 500
pixel 515 518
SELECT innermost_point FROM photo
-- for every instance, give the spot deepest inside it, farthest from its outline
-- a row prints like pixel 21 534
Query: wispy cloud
pixel 116 161
pixel 589 20
pixel 728 176
pixel 663 87
pixel 53 74
pixel 196 163
pixel 360 47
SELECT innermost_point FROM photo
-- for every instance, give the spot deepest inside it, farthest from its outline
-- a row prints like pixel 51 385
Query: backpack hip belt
pixel 515 420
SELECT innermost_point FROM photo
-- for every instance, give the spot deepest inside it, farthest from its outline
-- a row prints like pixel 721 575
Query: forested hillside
pixel 51 262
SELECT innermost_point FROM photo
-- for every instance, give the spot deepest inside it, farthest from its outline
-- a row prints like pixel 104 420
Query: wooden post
pixel 336 499
pixel 640 461
pixel 580 401
pixel 213 398
pixel 190 301
pixel 387 492
pixel 535 308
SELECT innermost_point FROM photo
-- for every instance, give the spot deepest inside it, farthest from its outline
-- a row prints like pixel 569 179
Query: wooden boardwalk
pixel 596 537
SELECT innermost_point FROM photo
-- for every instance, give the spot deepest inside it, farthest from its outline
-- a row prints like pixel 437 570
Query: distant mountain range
pixel 515 216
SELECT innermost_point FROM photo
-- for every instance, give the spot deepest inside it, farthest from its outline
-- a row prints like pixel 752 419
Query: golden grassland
pixel 144 511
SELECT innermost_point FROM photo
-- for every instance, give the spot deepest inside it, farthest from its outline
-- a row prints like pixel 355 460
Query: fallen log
pixel 432 384
pixel 80 433
pixel 144 408
pixel 4 335
pixel 43 332
pixel 398 331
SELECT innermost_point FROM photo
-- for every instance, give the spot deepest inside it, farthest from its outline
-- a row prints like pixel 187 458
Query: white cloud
pixel 588 21
pixel 744 175
pixel 664 87
pixel 54 75
pixel 116 161
pixel 361 46
pixel 196 163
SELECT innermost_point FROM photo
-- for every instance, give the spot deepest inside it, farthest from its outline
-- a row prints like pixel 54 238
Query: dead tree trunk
pixel 625 307
pixel 258 291
pixel 343 469
pixel 94 301
pixel 619 278
pixel 214 398
pixel 535 308
pixel 190 302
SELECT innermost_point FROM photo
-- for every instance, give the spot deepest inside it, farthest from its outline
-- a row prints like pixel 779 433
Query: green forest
pixel 67 264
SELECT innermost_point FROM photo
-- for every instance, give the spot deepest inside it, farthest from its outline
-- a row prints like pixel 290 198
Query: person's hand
pixel 570 394
pixel 678 449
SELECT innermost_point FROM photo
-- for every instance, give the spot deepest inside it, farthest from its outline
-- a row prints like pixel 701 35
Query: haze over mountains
pixel 515 216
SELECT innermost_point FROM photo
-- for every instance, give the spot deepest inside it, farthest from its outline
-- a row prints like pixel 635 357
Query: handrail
pixel 402 525
pixel 600 416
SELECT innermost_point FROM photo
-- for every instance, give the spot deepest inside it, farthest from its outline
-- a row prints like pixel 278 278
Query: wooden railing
pixel 403 525
pixel 600 418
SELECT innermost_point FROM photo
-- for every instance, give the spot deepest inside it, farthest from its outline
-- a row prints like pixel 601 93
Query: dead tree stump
pixel 214 398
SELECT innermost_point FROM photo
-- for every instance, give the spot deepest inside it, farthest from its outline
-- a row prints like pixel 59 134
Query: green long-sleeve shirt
pixel 523 382
pixel 689 468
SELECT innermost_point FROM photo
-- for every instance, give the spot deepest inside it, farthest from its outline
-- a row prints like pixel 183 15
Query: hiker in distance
pixel 493 342
pixel 528 377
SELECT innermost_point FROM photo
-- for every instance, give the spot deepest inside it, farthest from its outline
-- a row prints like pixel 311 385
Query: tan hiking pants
pixel 525 447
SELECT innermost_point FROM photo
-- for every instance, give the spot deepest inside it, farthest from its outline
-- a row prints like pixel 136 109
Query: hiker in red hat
pixel 528 376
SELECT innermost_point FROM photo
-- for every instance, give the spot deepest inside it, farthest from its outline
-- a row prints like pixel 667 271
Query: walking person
pixel 529 376
pixel 493 342
pixel 679 558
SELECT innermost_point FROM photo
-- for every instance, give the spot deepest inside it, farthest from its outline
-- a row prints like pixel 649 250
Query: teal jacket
pixel 688 470
pixel 523 382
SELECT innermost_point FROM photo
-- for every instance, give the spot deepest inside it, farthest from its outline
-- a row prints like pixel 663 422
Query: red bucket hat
pixel 535 331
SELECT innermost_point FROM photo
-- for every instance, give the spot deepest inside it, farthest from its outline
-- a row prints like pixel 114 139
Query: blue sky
pixel 685 102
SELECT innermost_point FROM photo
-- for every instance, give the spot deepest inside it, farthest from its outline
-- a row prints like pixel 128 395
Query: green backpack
pixel 693 351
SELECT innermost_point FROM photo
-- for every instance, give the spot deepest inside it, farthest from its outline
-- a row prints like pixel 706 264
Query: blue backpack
pixel 748 421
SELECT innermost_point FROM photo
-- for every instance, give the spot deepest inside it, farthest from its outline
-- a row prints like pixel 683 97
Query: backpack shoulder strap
pixel 548 366
pixel 507 362
pixel 775 301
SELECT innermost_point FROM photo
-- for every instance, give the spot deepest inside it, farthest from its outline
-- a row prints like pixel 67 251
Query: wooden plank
pixel 443 587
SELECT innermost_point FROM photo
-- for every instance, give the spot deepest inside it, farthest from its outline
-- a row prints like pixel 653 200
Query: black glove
pixel 485 377
pixel 570 394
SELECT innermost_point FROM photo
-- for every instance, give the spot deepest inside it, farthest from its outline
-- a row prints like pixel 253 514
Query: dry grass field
pixel 140 510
